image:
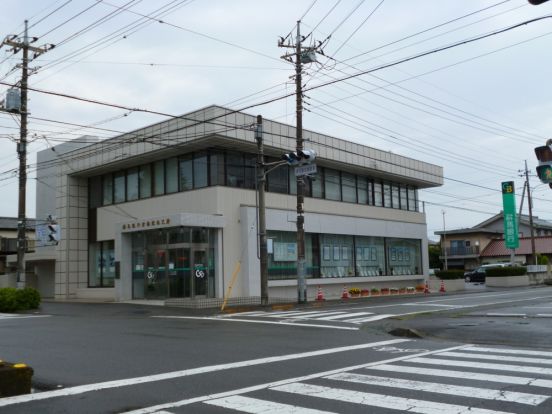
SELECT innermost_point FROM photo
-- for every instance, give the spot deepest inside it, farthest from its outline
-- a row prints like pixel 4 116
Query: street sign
pixel 511 237
pixel 47 234
pixel 306 169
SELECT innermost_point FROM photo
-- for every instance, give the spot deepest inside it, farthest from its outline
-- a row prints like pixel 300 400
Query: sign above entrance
pixel 146 224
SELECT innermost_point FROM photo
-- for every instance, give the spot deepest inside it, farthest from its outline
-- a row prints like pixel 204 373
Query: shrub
pixel 506 271
pixel 542 259
pixel 450 274
pixel 375 290
pixel 12 299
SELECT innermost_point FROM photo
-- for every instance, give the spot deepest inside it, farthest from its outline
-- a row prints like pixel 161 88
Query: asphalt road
pixel 334 358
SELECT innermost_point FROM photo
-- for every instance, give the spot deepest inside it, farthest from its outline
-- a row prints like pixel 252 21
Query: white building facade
pixel 168 211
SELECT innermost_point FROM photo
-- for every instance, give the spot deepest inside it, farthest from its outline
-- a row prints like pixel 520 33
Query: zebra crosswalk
pixel 458 381
pixel 12 316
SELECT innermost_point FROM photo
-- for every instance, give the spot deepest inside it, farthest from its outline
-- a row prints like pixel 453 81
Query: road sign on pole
pixel 511 237
pixel 306 169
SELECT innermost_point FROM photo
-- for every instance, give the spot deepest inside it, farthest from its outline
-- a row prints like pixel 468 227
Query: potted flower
pixel 385 291
pixel 420 288
pixel 354 292
pixel 410 289
pixel 375 291
pixel 402 290
pixel 364 292
pixel 394 291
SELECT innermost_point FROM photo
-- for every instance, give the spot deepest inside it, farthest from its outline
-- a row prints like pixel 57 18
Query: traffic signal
pixel 305 156
pixel 537 2
pixel 544 169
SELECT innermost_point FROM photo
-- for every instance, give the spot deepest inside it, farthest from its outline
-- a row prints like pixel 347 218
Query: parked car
pixel 479 274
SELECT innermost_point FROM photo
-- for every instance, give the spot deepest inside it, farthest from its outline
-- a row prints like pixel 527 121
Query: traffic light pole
pixel 530 205
pixel 261 183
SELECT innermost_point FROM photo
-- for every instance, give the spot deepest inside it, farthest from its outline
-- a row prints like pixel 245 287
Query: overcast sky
pixel 477 109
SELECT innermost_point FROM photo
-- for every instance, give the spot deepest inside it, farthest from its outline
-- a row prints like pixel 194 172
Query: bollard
pixel 15 379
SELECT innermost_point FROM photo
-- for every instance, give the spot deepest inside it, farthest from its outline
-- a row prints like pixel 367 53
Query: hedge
pixel 506 271
pixel 450 274
pixel 13 300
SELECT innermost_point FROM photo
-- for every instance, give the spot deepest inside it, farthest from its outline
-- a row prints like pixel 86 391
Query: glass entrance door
pixel 156 274
pixel 200 272
pixel 179 270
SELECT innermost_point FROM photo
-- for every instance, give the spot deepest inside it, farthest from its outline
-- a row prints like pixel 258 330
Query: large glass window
pixel 216 165
pixel 95 191
pixel 282 262
pixel 369 256
pixel 159 178
pixel 101 264
pixel 395 195
pixel 403 256
pixel 119 187
pixel 317 184
pixel 250 178
pixel 412 204
pixel 404 201
pixel 201 176
pixel 348 187
pixel 362 190
pixel 171 177
pixel 186 173
pixel 378 194
pixel 278 180
pixel 132 184
pixel 144 177
pixel 332 185
pixel 107 181
pixel 235 174
pixel 387 195
pixel 336 255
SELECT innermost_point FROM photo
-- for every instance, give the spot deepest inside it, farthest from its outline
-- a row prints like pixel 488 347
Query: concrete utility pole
pixel 530 205
pixel 261 183
pixel 24 45
pixel 444 241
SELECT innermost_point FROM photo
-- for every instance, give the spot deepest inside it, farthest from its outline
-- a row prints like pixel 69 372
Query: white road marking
pixel 507 351
pixel 300 314
pixel 369 319
pixel 505 314
pixel 482 365
pixel 311 325
pixel 81 389
pixel 4 316
pixel 346 315
pixel 506 358
pixel 476 376
pixel 256 406
pixel 383 401
pixel 312 315
pixel 461 391
pixel 208 397
pixel 544 315
pixel 432 304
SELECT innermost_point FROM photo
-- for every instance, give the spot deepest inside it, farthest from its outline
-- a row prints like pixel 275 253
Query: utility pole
pixel 24 45
pixel 261 182
pixel 444 241
pixel 530 205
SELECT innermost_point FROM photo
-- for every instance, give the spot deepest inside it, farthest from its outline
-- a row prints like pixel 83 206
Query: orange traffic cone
pixel 442 288
pixel 426 289
pixel 320 294
pixel 345 294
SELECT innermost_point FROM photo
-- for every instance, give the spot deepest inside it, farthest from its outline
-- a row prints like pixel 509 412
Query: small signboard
pixel 511 237
pixel 47 234
pixel 306 169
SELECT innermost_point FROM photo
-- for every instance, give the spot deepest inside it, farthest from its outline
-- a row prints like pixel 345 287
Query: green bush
pixel 542 259
pixel 506 271
pixel 12 299
pixel 450 274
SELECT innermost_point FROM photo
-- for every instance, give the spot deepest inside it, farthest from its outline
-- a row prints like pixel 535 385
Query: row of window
pixel 234 169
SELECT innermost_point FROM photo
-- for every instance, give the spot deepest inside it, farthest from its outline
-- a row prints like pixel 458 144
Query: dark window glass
pixel 216 168
pixel 292 181
pixel 395 195
pixel 332 185
pixel 159 178
pixel 145 181
pixel 378 197
pixel 386 195
pixel 235 175
pixel 107 181
pixel 132 184
pixel 95 192
pixel 403 196
pixel 348 187
pixel 201 176
pixel 250 162
pixel 119 187
pixel 186 173
pixel 101 264
pixel 362 190
pixel 317 185
pixel 171 175
pixel 278 180
pixel 370 192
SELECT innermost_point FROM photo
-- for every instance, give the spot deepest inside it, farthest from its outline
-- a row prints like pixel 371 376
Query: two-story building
pixel 168 211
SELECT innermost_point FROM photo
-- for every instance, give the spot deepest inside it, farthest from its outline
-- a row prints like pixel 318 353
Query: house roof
pixel 469 230
pixel 10 223
pixel 543 244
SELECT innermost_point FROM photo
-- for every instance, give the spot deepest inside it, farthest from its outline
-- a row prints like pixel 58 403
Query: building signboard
pixel 511 237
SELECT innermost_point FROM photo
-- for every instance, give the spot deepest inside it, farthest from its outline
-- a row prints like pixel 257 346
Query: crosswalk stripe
pixel 482 365
pixel 506 351
pixel 477 376
pixel 301 315
pixel 498 358
pixel 346 315
pixel 383 401
pixel 369 319
pixel 458 390
pixel 256 406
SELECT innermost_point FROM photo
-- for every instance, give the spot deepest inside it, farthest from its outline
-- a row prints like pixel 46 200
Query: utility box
pixel 13 100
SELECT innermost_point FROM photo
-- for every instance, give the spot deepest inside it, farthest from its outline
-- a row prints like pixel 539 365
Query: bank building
pixel 166 213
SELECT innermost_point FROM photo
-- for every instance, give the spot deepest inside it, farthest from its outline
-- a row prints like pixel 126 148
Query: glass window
pixel 250 162
pixel 292 181
pixel 403 257
pixel 332 185
pixel 107 181
pixel 278 180
pixel 369 256
pixel 378 196
pixel 144 177
pixel 201 176
pixel 108 272
pixel 132 184
pixel 336 255
pixel 282 262
pixel 186 173
pixel 119 187
pixel 395 195
pixel 404 202
pixel 412 204
pixel 94 264
pixel 235 175
pixel 317 187
pixel 386 195
pixel 101 264
pixel 171 175
pixel 159 178
pixel 348 187
pixel 362 190
pixel 216 165
pixel 95 192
